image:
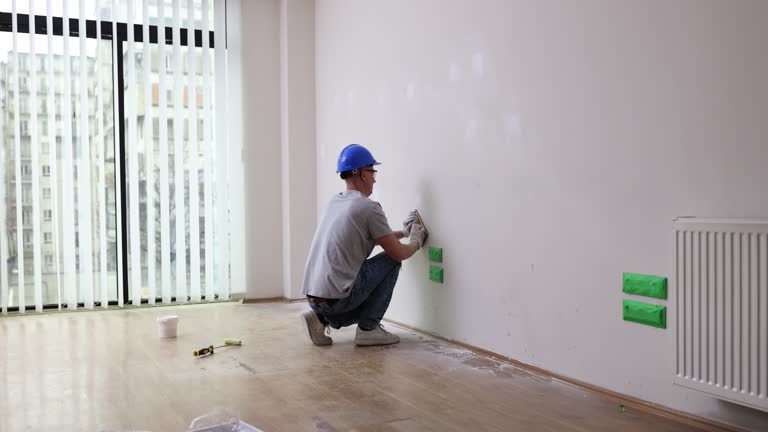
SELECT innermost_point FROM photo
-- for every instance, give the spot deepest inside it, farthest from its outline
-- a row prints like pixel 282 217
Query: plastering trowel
pixel 421 222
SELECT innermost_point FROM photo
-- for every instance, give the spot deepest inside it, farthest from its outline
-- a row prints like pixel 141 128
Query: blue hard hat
pixel 354 156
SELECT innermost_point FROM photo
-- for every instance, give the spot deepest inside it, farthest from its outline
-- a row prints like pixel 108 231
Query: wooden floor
pixel 92 371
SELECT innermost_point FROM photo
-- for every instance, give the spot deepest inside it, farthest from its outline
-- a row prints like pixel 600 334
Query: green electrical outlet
pixel 645 313
pixel 436 254
pixel 645 285
pixel 436 273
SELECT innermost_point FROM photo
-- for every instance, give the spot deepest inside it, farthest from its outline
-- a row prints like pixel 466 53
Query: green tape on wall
pixel 645 285
pixel 436 254
pixel 436 273
pixel 645 313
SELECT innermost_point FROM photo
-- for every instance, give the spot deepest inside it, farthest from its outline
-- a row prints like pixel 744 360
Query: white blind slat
pixel 132 149
pixel 102 179
pixel 165 196
pixel 67 188
pixel 178 140
pixel 84 174
pixel 118 163
pixel 4 280
pixel 221 230
pixel 53 151
pixel 149 150
pixel 209 151
pixel 17 142
pixel 221 233
pixel 194 204
pixel 34 148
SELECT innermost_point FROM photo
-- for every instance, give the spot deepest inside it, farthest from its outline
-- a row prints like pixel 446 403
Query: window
pixel 26 194
pixel 91 69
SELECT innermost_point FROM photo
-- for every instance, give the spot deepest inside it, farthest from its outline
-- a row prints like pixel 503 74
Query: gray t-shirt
pixel 343 241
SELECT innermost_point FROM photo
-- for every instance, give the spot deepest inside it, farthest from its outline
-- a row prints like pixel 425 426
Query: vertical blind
pixel 113 175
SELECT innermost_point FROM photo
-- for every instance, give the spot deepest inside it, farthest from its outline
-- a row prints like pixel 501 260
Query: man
pixel 344 287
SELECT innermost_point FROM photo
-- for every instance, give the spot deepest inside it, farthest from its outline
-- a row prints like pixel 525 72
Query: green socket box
pixel 436 273
pixel 645 285
pixel 645 313
pixel 436 254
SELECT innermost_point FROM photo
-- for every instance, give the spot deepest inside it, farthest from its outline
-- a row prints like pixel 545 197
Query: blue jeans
pixel 368 299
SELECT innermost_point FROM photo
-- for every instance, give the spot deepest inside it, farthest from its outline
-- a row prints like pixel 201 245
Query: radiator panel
pixel 721 307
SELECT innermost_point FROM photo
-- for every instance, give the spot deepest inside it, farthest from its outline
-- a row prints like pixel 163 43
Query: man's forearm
pixel 412 248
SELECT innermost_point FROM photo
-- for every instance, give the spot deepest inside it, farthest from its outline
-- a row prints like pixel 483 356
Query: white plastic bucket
pixel 166 325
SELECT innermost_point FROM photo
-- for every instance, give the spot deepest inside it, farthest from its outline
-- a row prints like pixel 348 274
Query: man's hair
pixel 349 173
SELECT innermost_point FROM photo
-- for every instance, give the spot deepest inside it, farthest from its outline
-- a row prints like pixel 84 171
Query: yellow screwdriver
pixel 210 349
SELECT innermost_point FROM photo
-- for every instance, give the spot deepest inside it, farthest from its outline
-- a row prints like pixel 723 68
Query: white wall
pixel 279 155
pixel 262 147
pixel 299 157
pixel 549 144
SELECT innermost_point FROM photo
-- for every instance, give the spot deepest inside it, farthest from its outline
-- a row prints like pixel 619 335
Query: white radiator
pixel 721 297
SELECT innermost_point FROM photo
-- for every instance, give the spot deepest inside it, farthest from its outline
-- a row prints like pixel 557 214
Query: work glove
pixel 408 222
pixel 418 234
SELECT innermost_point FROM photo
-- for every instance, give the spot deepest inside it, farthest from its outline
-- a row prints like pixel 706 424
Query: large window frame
pixel 118 33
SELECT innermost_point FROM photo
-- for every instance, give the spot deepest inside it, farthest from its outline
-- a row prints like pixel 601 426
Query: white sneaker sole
pixel 305 320
pixel 376 342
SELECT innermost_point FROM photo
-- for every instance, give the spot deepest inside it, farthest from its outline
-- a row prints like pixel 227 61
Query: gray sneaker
pixel 377 336
pixel 315 329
